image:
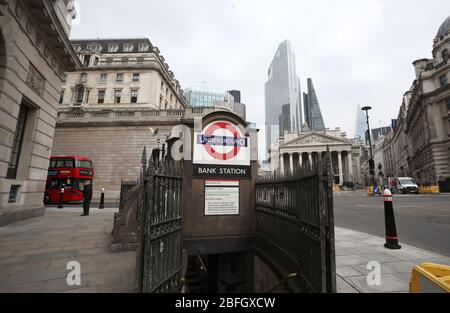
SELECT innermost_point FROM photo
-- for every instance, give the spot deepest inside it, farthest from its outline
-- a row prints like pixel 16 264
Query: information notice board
pixel 221 197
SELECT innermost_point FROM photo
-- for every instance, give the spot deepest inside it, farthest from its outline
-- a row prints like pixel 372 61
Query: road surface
pixel 422 220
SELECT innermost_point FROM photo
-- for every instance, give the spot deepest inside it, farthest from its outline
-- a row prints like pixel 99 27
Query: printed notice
pixel 221 198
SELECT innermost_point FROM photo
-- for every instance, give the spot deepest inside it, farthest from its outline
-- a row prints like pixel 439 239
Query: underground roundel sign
pixel 222 143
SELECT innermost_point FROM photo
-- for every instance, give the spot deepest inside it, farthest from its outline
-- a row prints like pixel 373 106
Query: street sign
pixel 222 143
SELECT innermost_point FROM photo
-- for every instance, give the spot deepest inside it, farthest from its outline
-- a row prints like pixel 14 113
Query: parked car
pixel 403 185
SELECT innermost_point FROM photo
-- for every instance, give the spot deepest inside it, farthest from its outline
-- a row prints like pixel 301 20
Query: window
pixel 17 143
pixel 167 91
pixel 101 96
pixel 83 77
pixel 143 47
pixel 119 78
pixel 448 104
pixel 109 61
pixel 125 60
pixel 88 92
pixel 128 47
pixel 79 94
pixel 162 86
pixel 444 80
pixel 161 101
pixel 134 96
pixel 113 48
pixel 103 78
pixel 61 97
pixel 445 55
pixel 117 96
pixel 136 77
pixel 140 60
pixel 13 193
pixel 83 164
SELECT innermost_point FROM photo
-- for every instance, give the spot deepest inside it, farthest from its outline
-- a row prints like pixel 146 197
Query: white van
pixel 403 185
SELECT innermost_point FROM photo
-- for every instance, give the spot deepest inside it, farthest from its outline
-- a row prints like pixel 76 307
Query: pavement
pixel 422 220
pixel 34 253
pixel 354 251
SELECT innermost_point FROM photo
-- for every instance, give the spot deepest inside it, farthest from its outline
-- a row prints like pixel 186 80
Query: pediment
pixel 315 139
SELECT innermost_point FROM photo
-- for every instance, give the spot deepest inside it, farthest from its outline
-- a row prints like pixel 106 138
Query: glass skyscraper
pixel 361 124
pixel 313 115
pixel 282 95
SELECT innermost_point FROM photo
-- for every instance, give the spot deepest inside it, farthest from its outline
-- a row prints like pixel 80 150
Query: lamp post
pixel 371 162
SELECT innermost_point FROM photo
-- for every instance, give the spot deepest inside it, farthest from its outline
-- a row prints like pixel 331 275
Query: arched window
pixel 445 55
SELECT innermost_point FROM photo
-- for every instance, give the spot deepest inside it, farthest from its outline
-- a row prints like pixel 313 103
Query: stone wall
pixel 30 75
pixel 115 150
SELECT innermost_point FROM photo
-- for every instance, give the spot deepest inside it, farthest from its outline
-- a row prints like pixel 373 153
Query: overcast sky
pixel 356 51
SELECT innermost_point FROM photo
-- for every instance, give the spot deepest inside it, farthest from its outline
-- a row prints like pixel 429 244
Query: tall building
pixel 120 74
pixel 282 95
pixel 313 115
pixel 361 124
pixel 34 54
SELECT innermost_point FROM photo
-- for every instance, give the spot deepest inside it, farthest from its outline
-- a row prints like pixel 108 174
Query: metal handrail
pixel 283 282
pixel 203 266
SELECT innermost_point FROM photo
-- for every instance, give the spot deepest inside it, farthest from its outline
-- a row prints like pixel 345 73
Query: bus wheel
pixel 46 199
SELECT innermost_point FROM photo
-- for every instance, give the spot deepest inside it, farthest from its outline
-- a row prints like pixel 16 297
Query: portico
pixel 307 149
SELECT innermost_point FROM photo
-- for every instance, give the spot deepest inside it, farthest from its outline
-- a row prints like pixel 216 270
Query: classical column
pixel 300 159
pixel 341 174
pixel 282 163
pixel 291 162
pixel 310 158
pixel 350 165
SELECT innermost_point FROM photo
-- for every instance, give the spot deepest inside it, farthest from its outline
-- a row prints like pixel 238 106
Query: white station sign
pixel 221 143
pixel 221 197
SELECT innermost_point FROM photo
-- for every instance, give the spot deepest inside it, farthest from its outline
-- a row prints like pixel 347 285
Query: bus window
pixel 84 164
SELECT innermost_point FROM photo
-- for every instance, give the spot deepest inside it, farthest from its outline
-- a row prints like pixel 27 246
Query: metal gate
pixel 159 249
pixel 295 227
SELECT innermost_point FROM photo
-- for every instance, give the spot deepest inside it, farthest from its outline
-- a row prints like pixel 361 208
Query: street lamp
pixel 371 161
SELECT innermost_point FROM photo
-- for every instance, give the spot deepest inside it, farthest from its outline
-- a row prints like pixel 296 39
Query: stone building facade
pixel 35 52
pixel 124 98
pixel 120 74
pixel 427 124
pixel 307 147
pixel 419 146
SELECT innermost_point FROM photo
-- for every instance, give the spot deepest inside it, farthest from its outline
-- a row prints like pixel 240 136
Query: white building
pixel 120 74
pixel 308 147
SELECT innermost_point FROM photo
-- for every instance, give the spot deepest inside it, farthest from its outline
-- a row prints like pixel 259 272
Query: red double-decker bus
pixel 70 173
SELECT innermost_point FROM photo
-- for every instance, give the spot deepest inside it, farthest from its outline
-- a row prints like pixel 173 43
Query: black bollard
pixel 389 220
pixel 61 199
pixel 102 200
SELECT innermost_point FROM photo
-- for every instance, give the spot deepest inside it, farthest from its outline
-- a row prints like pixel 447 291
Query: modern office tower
pixel 313 115
pixel 361 124
pixel 282 95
